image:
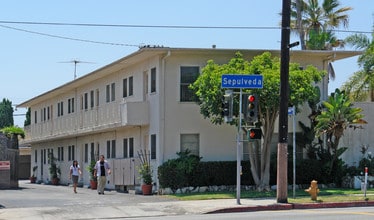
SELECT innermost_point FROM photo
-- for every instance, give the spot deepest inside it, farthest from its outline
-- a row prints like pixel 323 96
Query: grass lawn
pixel 325 195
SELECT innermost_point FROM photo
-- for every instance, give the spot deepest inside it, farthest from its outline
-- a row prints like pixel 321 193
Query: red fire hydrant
pixel 313 190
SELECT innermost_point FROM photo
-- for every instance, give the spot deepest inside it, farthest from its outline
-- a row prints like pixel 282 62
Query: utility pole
pixel 282 184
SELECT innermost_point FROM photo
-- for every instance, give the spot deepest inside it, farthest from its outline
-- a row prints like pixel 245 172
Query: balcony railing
pixel 106 117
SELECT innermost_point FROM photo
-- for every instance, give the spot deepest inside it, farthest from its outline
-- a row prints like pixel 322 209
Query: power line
pixel 134 26
pixel 68 38
pixel 163 26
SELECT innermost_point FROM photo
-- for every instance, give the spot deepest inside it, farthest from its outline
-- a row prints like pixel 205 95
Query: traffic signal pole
pixel 238 151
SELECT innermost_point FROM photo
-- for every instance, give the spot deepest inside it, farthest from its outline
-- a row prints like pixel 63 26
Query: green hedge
pixel 188 171
pixel 204 174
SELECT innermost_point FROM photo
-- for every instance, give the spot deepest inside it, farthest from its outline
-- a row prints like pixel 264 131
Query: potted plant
pixel 54 170
pixel 33 177
pixel 145 172
pixel 93 179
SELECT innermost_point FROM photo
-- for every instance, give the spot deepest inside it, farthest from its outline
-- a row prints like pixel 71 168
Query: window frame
pixel 186 94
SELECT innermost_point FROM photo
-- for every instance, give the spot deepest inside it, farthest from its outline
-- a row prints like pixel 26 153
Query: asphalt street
pixel 35 201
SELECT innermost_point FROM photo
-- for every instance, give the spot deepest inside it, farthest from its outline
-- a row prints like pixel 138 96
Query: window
pixel 71 153
pixel 92 104
pixel 97 97
pixel 107 93
pixel 60 153
pixel 128 87
pixel 85 153
pixel 69 106
pixel 48 113
pixel 131 147
pixel 190 142
pixel 188 76
pixel 51 112
pixel 86 101
pixel 113 92
pixel 72 105
pixel 124 88
pixel 92 151
pixel 125 148
pixel 153 79
pixel 60 109
pixel 153 146
pixel 35 117
pixel 107 149
pixel 35 156
pixel 113 149
pixel 44 156
pixel 44 114
pixel 131 86
pixel 128 147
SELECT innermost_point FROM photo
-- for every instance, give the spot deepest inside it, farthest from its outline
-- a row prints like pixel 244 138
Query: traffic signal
pixel 254 134
pixel 251 109
pixel 227 105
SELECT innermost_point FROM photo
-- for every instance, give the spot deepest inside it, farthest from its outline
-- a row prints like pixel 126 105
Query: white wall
pixel 354 139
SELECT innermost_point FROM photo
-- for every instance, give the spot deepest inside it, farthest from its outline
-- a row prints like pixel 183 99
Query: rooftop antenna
pixel 75 65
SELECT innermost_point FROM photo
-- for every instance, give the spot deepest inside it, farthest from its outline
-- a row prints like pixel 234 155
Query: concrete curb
pixel 289 206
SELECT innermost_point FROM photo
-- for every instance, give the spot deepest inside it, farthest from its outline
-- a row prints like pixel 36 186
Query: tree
pixel 12 132
pixel 338 115
pixel 209 92
pixel 28 117
pixel 6 113
pixel 308 16
pixel 360 86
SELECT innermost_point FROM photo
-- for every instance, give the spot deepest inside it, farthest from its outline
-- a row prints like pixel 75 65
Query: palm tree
pixel 309 16
pixel 361 85
pixel 338 115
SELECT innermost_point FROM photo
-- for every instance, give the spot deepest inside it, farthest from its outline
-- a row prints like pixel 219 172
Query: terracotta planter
pixel 93 184
pixel 147 189
pixel 32 179
pixel 55 181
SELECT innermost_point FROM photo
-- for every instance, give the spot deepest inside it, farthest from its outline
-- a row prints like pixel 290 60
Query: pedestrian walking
pixel 75 172
pixel 101 171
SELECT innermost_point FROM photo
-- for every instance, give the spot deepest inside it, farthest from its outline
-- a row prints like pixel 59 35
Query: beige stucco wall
pixel 355 139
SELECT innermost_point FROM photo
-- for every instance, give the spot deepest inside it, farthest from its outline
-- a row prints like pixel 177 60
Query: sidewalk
pixel 34 201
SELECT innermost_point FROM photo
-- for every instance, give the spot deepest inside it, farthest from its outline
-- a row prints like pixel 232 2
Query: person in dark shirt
pixel 101 171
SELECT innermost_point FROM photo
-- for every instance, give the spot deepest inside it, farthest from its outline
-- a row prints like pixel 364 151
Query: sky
pixel 36 58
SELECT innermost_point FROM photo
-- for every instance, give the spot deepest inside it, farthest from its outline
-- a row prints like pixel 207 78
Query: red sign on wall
pixel 5 165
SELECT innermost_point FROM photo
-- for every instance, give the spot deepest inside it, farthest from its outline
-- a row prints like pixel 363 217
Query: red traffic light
pixel 254 134
pixel 251 98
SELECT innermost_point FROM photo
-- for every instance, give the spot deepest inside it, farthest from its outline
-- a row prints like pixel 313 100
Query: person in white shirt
pixel 75 172
pixel 101 171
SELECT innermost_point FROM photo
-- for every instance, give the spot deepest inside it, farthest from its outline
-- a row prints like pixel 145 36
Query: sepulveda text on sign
pixel 242 81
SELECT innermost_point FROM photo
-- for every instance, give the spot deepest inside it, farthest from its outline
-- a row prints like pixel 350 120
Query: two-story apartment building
pixel 139 102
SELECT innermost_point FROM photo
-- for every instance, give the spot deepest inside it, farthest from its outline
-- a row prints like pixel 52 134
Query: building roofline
pixel 148 51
